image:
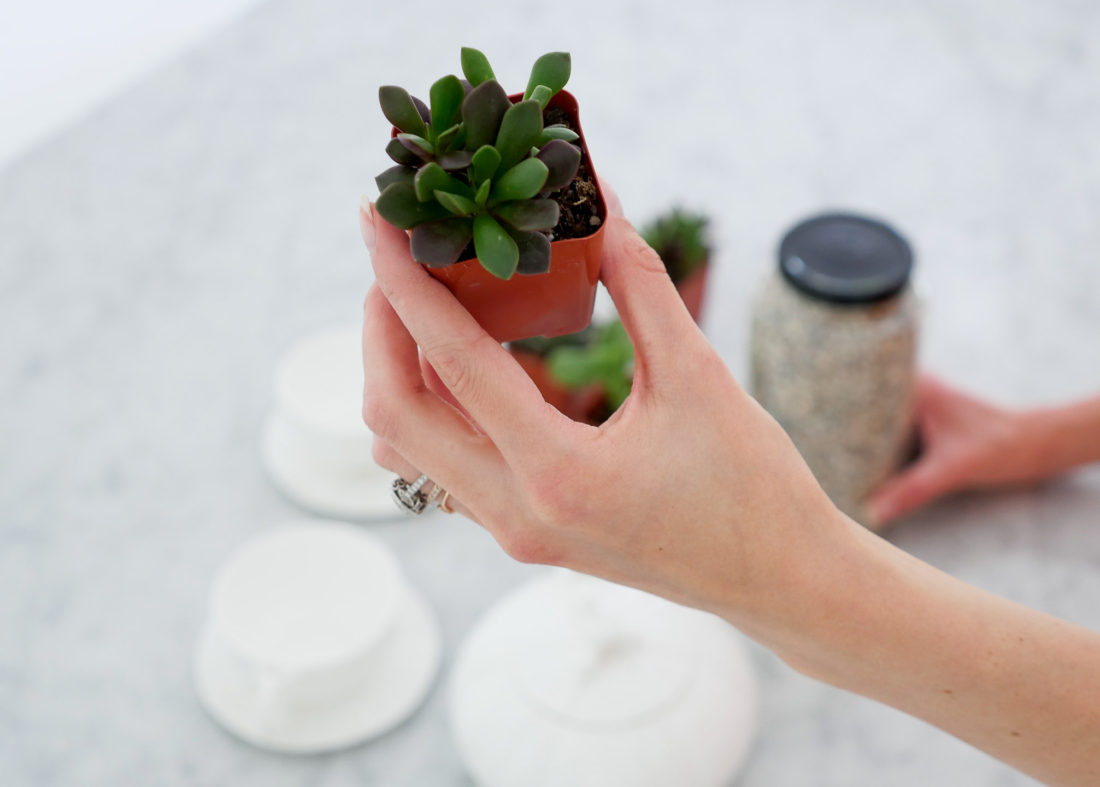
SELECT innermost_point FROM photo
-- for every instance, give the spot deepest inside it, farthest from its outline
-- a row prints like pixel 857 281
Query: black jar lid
pixel 845 258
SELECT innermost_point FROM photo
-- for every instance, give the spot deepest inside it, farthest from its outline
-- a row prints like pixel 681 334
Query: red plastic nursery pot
pixel 693 288
pixel 554 303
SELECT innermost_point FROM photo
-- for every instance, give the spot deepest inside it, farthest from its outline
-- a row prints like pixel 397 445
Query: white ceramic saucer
pixel 314 641
pixel 574 681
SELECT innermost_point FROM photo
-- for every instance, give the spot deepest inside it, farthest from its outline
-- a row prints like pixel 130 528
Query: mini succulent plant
pixel 606 360
pixel 680 239
pixel 474 167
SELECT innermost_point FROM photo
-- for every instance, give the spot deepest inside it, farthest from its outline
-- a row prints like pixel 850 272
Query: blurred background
pixel 178 195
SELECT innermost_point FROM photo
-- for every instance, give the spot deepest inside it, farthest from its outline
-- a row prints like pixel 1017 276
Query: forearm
pixel 1061 438
pixel 1018 684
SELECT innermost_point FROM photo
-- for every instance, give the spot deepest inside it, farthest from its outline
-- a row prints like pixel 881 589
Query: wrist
pixel 806 599
pixel 1057 439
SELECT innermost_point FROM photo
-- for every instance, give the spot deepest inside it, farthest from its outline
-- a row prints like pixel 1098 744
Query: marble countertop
pixel 157 256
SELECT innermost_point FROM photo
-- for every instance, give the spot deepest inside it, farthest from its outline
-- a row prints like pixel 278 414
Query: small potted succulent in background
pixel 587 375
pixel 499 195
pixel 531 354
pixel 680 239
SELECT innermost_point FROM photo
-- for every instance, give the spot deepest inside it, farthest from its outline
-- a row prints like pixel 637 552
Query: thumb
pixel 914 487
pixel 647 301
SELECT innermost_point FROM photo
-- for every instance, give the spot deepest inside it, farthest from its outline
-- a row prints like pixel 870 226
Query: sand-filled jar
pixel 834 350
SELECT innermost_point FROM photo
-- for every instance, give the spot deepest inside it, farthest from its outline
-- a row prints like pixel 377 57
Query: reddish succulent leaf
pixel 440 243
pixel 562 160
pixel 482 112
pixel 534 251
pixel 422 108
pixel 456 159
pixel 529 214
pixel 417 145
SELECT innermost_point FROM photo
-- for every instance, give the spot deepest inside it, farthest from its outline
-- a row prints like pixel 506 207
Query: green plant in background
pixel 606 360
pixel 680 239
pixel 476 167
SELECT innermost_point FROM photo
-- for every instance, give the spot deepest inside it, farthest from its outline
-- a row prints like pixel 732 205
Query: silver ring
pixel 409 498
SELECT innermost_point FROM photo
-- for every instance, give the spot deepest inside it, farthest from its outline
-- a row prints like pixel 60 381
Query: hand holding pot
pixel 691 490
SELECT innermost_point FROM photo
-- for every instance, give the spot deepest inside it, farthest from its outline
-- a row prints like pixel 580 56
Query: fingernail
pixel 366 222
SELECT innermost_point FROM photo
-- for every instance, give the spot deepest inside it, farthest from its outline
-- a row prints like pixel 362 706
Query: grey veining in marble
pixel 157 256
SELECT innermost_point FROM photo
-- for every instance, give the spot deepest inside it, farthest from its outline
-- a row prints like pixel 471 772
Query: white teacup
pixel 315 446
pixel 313 640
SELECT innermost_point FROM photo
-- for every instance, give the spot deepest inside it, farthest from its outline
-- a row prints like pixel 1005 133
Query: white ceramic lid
pixel 574 681
pixel 314 641
pixel 315 446
pixel 305 595
pixel 319 381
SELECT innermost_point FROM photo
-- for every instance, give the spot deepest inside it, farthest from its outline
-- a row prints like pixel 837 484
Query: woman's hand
pixel 970 444
pixel 690 490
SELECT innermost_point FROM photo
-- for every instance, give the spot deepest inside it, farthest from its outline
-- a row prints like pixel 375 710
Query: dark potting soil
pixel 580 214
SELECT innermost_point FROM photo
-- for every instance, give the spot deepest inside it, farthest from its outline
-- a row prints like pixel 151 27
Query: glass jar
pixel 834 345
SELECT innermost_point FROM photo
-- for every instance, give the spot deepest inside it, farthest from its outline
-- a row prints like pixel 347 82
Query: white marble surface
pixel 157 257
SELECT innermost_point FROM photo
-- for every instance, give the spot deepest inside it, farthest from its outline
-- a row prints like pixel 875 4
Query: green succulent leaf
pixel 399 109
pixel 446 96
pixel 482 112
pixel 529 214
pixel 562 160
pixel 456 203
pixel 417 144
pixel 557 131
pixel 432 177
pixel 542 95
pixel 476 66
pixel 449 139
pixel 396 174
pixel 486 161
pixel 552 70
pixel 576 367
pixel 534 251
pixel 607 360
pixel 401 154
pixel 398 205
pixel 520 128
pixel 495 248
pixel 482 195
pixel 455 160
pixel 522 181
pixel 440 243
